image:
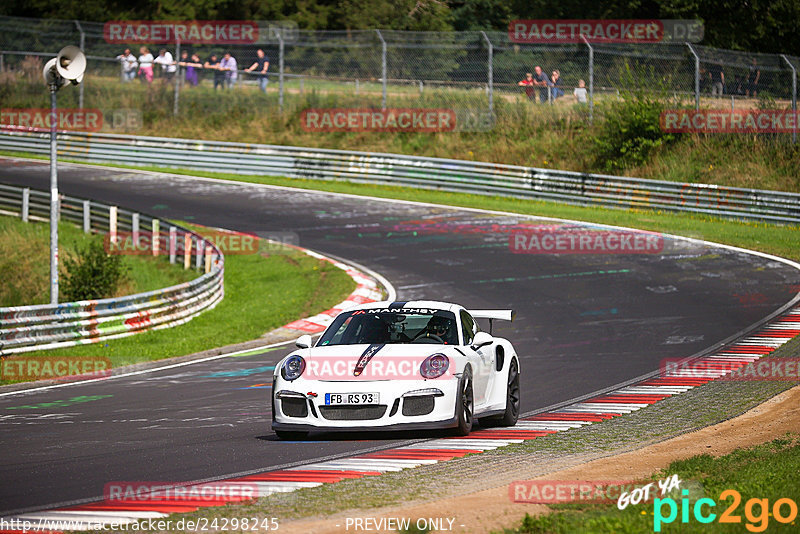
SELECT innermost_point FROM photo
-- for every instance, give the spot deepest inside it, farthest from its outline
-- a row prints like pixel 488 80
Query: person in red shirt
pixel 529 83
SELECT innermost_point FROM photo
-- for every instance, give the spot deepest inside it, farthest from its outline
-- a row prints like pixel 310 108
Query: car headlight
pixel 434 366
pixel 293 367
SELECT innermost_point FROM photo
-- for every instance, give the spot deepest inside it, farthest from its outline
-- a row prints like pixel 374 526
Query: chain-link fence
pixel 472 73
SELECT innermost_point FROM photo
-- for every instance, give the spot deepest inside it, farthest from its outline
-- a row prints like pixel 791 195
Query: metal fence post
pixel 26 202
pixel 383 67
pixel 490 72
pixel 696 76
pixel 112 223
pixel 83 46
pixel 135 229
pixel 201 245
pixel 794 96
pixel 280 71
pixel 155 237
pixel 173 235
pixel 87 216
pixel 187 250
pixel 177 79
pixel 591 79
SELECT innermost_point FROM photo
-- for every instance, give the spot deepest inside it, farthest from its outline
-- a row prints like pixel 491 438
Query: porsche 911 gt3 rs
pixel 395 366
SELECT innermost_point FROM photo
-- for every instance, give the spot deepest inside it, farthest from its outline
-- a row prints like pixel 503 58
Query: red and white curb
pixel 367 290
pixel 606 406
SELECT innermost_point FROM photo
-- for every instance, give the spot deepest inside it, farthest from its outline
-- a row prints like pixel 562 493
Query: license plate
pixel 352 398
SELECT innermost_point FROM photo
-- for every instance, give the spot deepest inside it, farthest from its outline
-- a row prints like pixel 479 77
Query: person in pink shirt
pixel 145 65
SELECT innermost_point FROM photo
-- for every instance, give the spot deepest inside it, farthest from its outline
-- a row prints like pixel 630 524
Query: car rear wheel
pixel 465 404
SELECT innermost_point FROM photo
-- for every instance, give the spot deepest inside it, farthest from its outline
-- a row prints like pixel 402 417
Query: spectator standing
pixel 260 66
pixel 555 85
pixel 145 65
pixel 129 65
pixel 168 66
pixel 542 82
pixel 191 67
pixel 528 84
pixel 229 66
pixel 580 92
pixel 752 79
pixel 212 63
pixel 717 80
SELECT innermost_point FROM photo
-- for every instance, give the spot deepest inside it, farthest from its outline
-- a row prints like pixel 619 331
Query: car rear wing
pixel 503 315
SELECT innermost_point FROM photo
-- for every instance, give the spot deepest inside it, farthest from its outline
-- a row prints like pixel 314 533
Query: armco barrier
pixel 430 173
pixel 27 328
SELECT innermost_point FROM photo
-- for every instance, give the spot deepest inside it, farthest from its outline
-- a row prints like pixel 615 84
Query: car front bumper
pixel 403 405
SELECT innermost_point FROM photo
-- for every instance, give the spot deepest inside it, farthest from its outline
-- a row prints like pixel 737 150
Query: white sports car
pixel 396 366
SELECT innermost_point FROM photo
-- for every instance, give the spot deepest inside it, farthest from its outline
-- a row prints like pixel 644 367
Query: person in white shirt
pixel 145 65
pixel 129 65
pixel 168 66
pixel 580 92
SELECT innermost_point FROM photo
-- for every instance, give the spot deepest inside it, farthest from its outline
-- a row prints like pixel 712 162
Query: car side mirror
pixel 303 342
pixel 481 340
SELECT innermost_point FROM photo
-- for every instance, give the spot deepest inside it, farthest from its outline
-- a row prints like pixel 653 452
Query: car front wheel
pixel 465 404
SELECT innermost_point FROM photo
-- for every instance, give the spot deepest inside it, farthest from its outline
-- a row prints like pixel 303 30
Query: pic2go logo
pixel 756 511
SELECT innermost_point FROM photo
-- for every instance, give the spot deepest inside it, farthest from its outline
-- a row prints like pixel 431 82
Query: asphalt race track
pixel 584 322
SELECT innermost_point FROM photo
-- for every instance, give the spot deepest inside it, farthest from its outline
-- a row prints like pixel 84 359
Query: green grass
pixel 262 292
pixel 769 471
pixel 25 263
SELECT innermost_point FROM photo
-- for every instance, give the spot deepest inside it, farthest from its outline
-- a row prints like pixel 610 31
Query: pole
pixel 83 47
pixel 491 72
pixel 177 79
pixel 696 76
pixel 383 67
pixel 794 95
pixel 280 71
pixel 53 198
pixel 591 79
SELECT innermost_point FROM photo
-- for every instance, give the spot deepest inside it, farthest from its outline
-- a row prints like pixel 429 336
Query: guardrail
pixel 431 173
pixel 27 328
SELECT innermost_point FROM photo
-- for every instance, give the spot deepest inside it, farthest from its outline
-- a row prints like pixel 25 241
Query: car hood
pixel 372 362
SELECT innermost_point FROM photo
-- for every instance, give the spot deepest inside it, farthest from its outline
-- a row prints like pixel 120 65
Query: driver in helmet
pixel 437 327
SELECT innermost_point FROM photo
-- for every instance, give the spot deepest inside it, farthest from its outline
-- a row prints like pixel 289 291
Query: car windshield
pixel 392 325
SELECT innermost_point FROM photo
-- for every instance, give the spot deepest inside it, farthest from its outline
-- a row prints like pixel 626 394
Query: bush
pixel 629 132
pixel 93 274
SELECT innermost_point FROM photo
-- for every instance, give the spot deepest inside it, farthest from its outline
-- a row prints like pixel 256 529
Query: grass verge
pixel 765 473
pixel 262 292
pixel 25 263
